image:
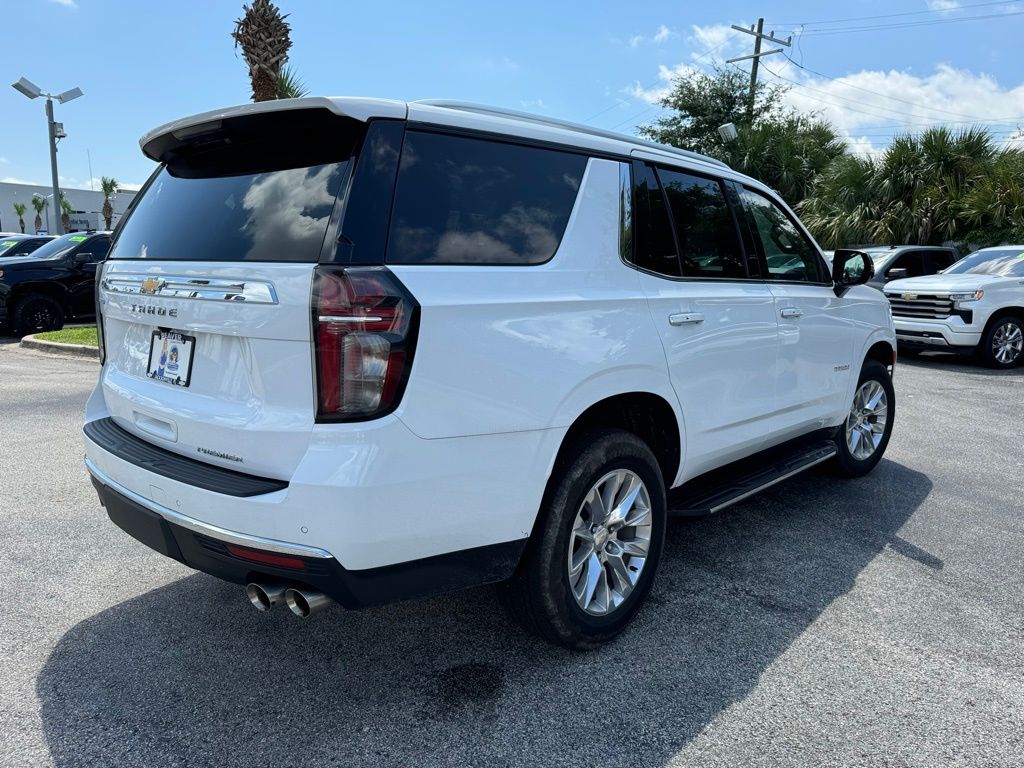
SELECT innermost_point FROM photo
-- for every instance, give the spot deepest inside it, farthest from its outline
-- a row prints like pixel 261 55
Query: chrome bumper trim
pixel 935 341
pixel 206 529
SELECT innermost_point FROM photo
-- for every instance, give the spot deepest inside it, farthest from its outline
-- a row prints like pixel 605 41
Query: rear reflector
pixel 364 323
pixel 267 558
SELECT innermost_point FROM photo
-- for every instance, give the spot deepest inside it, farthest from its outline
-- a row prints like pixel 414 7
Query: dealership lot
pixel 872 622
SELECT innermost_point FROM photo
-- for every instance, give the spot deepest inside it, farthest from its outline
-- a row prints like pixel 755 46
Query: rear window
pixel 472 201
pixel 260 188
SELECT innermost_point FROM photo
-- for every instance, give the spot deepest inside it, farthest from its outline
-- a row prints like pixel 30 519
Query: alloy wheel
pixel 865 426
pixel 609 542
pixel 1007 343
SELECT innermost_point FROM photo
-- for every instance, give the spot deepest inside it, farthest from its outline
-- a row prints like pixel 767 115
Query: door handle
pixel 685 318
pixel 791 312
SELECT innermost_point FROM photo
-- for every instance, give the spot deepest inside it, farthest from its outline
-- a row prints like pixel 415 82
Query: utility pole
pixel 759 35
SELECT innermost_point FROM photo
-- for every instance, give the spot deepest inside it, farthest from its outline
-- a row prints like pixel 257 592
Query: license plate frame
pixel 171 354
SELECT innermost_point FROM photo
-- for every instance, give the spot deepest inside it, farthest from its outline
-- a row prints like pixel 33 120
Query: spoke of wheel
pixel 621 511
pixel 639 516
pixel 877 394
pixel 635 547
pixel 587 585
pixel 624 578
pixel 580 556
pixel 595 503
pixel 611 490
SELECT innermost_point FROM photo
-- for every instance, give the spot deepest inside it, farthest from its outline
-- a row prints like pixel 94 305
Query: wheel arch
pixel 51 290
pixel 999 314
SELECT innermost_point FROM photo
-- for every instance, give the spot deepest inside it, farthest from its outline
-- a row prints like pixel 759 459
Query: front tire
pixel 596 545
pixel 1002 346
pixel 37 313
pixel 862 439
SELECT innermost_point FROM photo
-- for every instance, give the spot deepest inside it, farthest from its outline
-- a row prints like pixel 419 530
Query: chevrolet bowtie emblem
pixel 151 285
pixel 908 296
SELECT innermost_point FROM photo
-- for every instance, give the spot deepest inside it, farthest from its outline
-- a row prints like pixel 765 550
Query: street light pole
pixel 33 91
pixel 58 227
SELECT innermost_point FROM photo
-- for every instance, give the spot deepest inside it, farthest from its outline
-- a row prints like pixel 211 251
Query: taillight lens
pixel 100 341
pixel 364 325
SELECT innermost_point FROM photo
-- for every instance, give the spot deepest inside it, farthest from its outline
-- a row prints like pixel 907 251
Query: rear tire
pixel 596 544
pixel 862 439
pixel 1002 345
pixel 37 313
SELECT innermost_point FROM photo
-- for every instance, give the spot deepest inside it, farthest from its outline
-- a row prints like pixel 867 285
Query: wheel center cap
pixel 600 538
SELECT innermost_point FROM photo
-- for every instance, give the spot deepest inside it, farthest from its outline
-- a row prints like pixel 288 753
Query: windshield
pixel 58 247
pixel 1005 262
pixel 7 243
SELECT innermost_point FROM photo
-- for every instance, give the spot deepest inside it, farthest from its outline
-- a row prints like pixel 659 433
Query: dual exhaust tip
pixel 301 602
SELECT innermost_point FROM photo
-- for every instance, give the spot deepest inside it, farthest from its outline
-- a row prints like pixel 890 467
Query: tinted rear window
pixel 472 201
pixel 260 188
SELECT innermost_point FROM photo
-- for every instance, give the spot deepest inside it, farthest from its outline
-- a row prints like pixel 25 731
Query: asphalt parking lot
pixel 822 623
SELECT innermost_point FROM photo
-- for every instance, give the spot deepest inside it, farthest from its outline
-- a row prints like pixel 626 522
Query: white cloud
pixel 661 35
pixel 15 180
pixel 4 161
pixel 943 6
pixel 658 91
pixel 129 186
pixel 65 3
pixel 900 101
pixel 532 103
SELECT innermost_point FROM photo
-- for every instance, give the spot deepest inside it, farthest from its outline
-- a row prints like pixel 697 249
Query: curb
pixel 56 348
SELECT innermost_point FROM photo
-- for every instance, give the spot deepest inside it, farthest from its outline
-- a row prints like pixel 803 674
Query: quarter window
pixel 789 254
pixel 705 230
pixel 472 201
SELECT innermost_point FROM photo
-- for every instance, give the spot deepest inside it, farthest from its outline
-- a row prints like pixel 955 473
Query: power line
pixel 893 15
pixel 875 93
pixel 932 23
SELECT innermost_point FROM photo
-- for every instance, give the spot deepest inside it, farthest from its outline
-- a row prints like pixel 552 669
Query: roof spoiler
pixel 157 143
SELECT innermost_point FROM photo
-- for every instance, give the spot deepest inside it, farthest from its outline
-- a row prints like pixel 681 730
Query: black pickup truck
pixel 55 283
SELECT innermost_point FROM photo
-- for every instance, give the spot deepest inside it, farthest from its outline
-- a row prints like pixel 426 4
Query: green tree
pixel 702 101
pixel 66 210
pixel 289 86
pixel 109 187
pixel 39 203
pixel 19 208
pixel 779 146
pixel 925 189
pixel 265 38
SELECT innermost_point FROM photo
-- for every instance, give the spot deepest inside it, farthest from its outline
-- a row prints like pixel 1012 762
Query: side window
pixel 912 261
pixel 655 246
pixel 940 260
pixel 99 248
pixel 471 201
pixel 790 255
pixel 705 230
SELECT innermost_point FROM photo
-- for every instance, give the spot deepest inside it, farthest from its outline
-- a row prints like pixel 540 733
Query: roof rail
pixel 483 109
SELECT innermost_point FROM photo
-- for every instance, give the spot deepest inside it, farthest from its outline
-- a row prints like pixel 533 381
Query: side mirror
pixel 850 268
pixel 83 258
pixel 896 273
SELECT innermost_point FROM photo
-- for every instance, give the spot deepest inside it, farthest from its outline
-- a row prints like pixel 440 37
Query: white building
pixel 88 206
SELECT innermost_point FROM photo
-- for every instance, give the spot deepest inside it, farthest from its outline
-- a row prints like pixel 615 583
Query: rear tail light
pixel 364 326
pixel 100 341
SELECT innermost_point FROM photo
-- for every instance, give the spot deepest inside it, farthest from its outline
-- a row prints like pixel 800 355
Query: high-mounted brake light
pixel 364 326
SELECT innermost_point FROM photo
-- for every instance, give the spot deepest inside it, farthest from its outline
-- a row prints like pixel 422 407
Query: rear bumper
pixel 935 334
pixel 205 547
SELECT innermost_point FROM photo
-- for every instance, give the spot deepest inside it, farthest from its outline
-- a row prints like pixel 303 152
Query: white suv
pixel 976 305
pixel 360 350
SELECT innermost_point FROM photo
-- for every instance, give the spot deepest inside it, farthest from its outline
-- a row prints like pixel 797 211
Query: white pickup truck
pixel 976 305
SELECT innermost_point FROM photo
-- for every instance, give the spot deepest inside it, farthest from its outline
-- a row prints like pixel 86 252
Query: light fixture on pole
pixel 55 131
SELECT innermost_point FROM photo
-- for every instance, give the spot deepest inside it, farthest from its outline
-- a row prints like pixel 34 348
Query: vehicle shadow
pixel 191 674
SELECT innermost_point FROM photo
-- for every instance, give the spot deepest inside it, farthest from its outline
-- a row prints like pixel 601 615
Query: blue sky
pixel 142 63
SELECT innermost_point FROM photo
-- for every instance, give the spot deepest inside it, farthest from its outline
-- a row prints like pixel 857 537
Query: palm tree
pixel 914 193
pixel 289 86
pixel 264 38
pixel 39 203
pixel 65 213
pixel 19 208
pixel 109 188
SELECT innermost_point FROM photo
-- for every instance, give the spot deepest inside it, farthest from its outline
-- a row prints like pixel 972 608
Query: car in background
pixel 56 282
pixel 977 305
pixel 894 262
pixel 14 246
